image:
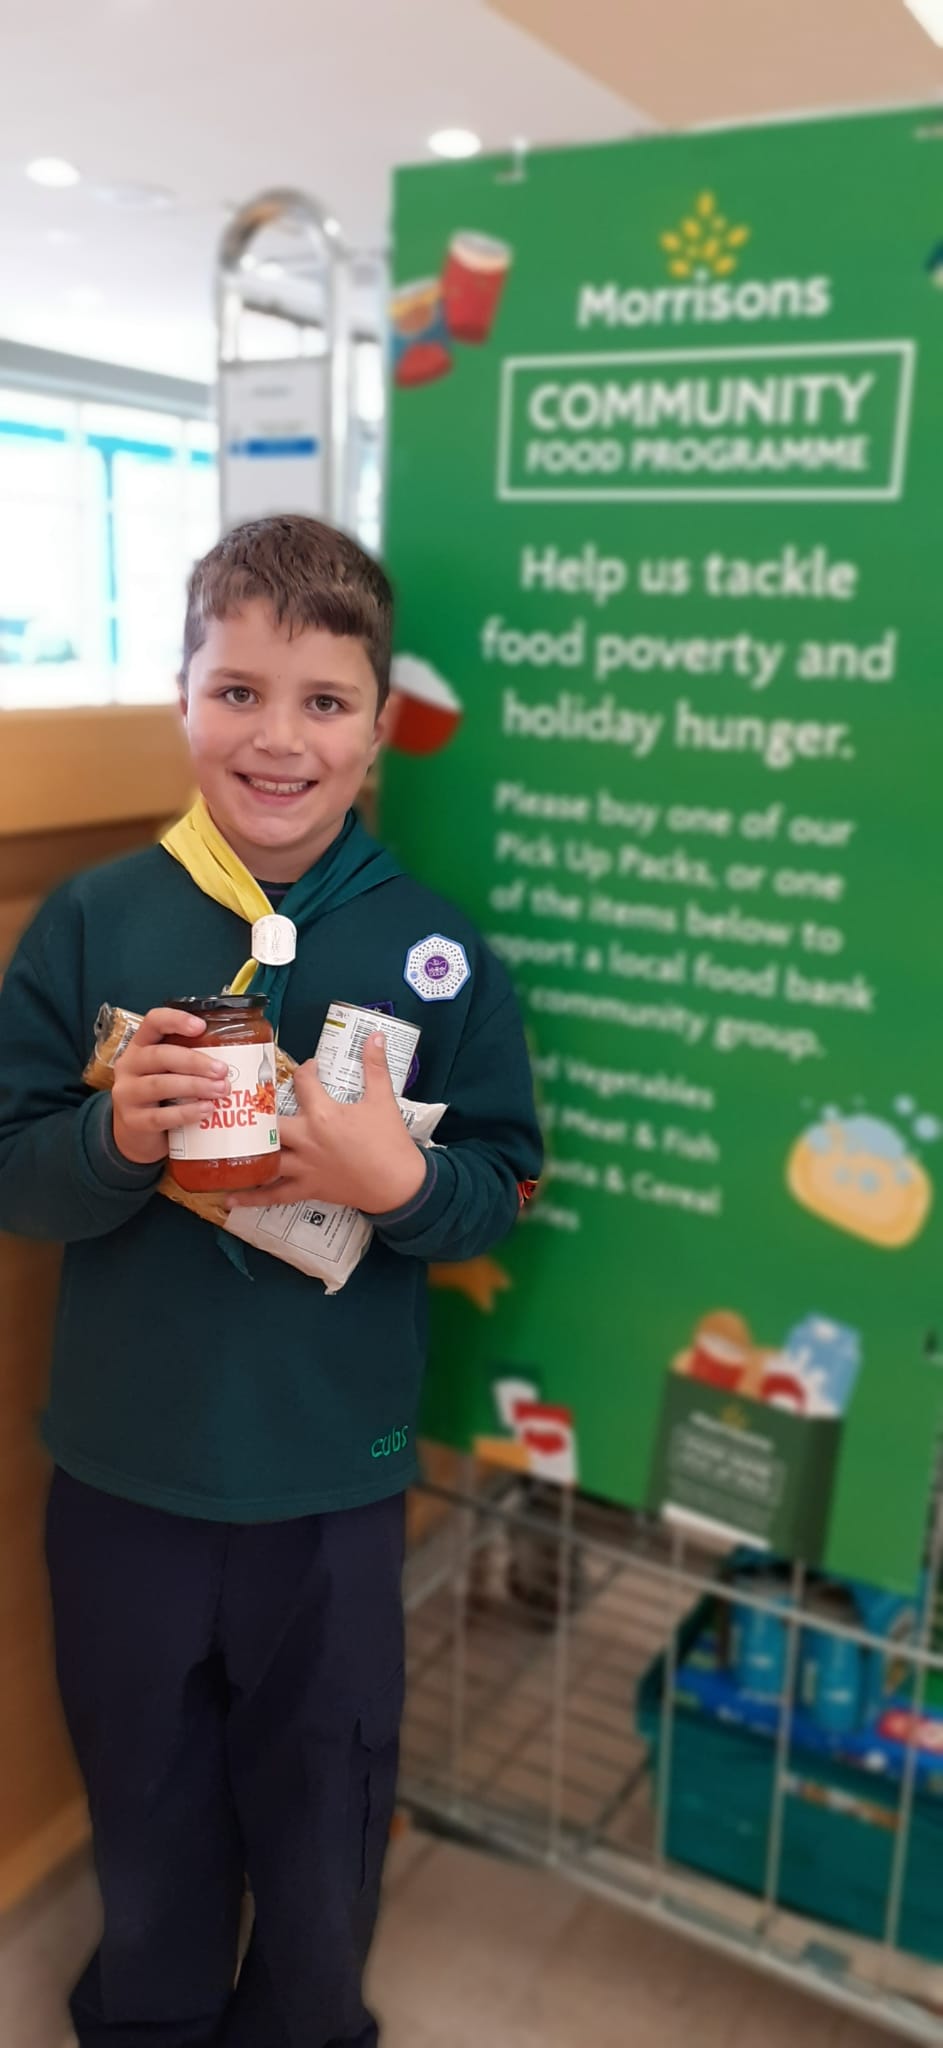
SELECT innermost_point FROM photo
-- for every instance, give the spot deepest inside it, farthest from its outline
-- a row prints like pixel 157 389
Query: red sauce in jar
pixel 236 1144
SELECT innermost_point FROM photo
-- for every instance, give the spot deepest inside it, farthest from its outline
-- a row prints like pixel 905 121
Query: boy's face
pixel 282 731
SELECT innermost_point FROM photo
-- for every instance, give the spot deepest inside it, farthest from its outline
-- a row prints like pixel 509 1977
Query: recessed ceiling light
pixel 929 13
pixel 454 142
pixel 52 171
pixel 332 226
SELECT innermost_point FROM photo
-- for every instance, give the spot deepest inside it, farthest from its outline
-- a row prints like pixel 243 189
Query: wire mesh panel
pixel 552 1715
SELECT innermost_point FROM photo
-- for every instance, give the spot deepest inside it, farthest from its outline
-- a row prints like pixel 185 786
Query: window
pixel 103 510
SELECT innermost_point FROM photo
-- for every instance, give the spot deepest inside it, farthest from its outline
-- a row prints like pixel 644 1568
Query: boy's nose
pixel 280 735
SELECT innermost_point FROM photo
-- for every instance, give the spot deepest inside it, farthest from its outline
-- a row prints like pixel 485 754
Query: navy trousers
pixel 234 1696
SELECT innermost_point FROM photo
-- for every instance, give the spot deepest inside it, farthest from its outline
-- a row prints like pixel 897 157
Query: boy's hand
pixel 357 1154
pixel 148 1078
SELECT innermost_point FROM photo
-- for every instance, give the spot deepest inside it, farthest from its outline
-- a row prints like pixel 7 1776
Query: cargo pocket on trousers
pixel 373 1771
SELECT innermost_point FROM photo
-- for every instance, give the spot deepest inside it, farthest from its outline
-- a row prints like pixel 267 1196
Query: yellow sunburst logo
pixel 705 245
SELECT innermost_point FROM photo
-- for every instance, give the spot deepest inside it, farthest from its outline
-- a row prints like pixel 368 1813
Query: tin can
pixel 889 1670
pixel 831 1669
pixel 760 1640
pixel 340 1049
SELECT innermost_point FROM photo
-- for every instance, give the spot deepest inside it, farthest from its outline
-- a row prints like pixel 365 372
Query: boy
pixel 226 1517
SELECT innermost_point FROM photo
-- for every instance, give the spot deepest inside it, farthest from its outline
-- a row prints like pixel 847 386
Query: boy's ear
pixel 182 694
pixel 382 729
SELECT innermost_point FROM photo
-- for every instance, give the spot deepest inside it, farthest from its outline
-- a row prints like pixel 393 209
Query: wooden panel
pixel 90 767
pixel 39 1778
pixel 691 63
pixel 31 864
pixel 75 788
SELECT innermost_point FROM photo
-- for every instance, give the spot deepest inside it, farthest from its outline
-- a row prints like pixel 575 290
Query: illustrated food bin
pixel 752 1468
pixel 749 1435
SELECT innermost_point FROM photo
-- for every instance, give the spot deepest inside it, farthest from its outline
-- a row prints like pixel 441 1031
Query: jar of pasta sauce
pixel 236 1144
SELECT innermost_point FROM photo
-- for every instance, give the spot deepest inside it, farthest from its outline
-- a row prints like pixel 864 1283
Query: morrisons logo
pixel 702 255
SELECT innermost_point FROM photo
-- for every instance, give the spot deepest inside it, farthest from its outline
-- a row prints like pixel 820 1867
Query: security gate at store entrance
pixel 299 323
pixel 548 1720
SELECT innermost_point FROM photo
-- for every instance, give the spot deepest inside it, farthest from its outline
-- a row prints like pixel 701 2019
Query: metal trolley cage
pixel 519 1733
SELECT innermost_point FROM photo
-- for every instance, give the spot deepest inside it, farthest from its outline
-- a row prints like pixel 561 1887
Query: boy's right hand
pixel 158 1087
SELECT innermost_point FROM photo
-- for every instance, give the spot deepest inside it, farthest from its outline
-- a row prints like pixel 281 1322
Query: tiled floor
pixel 475 1953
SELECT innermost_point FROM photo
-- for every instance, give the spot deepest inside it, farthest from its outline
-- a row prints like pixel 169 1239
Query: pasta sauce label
pixel 243 1122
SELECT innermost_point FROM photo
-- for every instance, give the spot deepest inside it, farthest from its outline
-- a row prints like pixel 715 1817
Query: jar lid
pixel 274 940
pixel 197 1004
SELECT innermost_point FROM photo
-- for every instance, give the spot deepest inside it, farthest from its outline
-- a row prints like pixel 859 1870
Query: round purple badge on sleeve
pixel 437 968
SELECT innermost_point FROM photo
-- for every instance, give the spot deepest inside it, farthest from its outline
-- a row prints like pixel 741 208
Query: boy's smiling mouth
pixel 274 790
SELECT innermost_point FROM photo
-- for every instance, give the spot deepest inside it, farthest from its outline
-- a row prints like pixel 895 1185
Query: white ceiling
pixel 215 100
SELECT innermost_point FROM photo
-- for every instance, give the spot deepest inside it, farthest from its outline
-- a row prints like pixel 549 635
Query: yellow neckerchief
pixel 218 871
pixel 351 867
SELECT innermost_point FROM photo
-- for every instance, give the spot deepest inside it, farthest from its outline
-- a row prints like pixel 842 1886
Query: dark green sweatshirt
pixel 176 1380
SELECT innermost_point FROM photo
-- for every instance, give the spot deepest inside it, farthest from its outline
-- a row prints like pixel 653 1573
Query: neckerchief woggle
pixel 352 865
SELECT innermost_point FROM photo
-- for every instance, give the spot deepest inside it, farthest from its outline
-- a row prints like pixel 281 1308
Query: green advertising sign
pixel 667 445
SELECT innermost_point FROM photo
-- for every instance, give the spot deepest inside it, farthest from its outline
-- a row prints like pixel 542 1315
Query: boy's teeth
pixel 276 788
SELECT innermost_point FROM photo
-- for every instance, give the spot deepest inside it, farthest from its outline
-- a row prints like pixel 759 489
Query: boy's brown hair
pixel 307 573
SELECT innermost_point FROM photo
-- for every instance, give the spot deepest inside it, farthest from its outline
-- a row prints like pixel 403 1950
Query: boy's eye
pixel 237 693
pixel 328 704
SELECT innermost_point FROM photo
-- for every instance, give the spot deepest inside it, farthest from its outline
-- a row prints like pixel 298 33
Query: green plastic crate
pixel 840 1826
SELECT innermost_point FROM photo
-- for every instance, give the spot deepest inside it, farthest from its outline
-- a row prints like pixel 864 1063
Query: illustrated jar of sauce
pixel 236 1144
